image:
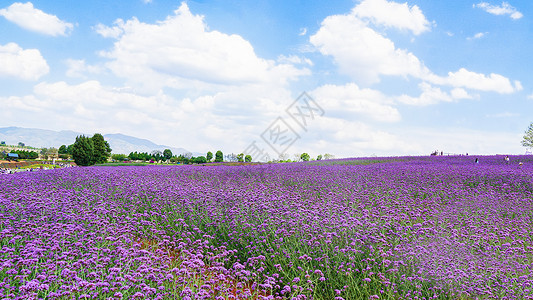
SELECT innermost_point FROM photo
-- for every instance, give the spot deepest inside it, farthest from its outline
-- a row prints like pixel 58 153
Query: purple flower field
pixel 380 228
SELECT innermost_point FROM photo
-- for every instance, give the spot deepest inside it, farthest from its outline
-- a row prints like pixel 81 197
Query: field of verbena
pixel 403 228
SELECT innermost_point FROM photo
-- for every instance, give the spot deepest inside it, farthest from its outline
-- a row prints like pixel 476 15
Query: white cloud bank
pixel 392 14
pixel 30 18
pixel 365 54
pixel 181 52
pixel 499 10
pixel 24 64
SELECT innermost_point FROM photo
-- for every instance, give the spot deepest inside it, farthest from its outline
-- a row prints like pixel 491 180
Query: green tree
pixel 209 156
pixel 62 150
pixel 101 149
pixel 329 156
pixel 319 157
pixel 69 149
pixel 219 156
pixel 119 157
pixel 240 157
pixel 3 143
pixel 200 160
pixel 21 144
pixel 167 154
pixel 305 157
pixel 248 158
pixel 527 141
pixel 82 151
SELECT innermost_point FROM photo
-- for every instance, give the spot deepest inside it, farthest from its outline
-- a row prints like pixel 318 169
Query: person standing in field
pixel 506 159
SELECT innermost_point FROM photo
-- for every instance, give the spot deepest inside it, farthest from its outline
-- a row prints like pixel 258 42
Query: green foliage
pixel 62 150
pixel 24 154
pixel 119 157
pixel 248 158
pixel 167 154
pixel 83 151
pixel 240 157
pixel 527 141
pixel 101 149
pixel 199 160
pixel 329 156
pixel 319 157
pixel 209 156
pixel 305 157
pixel 3 143
pixel 70 149
pixel 219 156
pixel 21 144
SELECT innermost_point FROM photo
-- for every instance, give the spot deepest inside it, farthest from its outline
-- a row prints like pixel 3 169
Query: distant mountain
pixel 120 143
pixel 125 144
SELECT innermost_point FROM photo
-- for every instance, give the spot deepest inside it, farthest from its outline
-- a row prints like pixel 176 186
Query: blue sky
pixel 393 78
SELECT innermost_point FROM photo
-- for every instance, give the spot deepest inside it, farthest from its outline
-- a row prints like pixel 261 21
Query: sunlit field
pixel 381 228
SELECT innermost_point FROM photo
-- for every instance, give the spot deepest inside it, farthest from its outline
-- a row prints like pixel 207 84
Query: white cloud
pixel 472 80
pixel 294 59
pixel 303 31
pixel 363 53
pixel 78 68
pixel 366 55
pixel 24 64
pixel 229 120
pixel 477 35
pixel 393 14
pixel 503 9
pixel 530 96
pixel 30 18
pixel 182 52
pixel 110 32
pixel 351 102
pixel 433 95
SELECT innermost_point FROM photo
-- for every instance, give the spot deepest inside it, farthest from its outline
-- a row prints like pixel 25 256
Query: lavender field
pixel 397 228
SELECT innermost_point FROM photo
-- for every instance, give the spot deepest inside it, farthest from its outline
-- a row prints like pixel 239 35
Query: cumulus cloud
pixel 228 119
pixel 351 102
pixel 79 68
pixel 33 19
pixel 20 63
pixel 503 9
pixel 181 51
pixel 363 53
pixel 432 95
pixel 392 14
pixel 366 55
pixel 477 81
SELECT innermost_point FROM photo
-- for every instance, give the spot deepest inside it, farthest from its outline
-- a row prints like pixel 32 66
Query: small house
pixel 12 156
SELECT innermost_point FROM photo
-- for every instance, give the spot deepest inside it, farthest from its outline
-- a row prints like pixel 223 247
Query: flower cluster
pixel 389 228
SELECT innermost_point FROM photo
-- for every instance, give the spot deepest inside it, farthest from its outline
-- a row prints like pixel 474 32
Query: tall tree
pixel 167 153
pixel 219 156
pixel 527 141
pixel 82 151
pixel 209 156
pixel 240 157
pixel 101 149
pixel 248 158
